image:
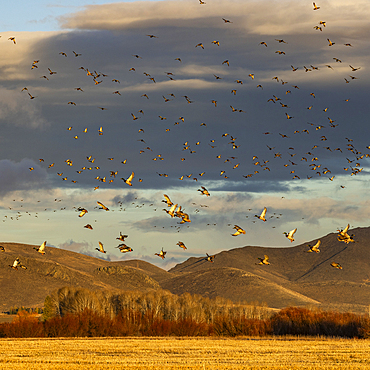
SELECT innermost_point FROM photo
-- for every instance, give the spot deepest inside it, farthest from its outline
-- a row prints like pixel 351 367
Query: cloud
pixel 251 167
pixel 17 176
pixel 244 15
pixel 83 248
pixel 164 264
pixel 17 109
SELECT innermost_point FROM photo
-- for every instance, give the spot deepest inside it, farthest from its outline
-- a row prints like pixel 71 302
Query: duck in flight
pixel 123 248
pixel 238 231
pixel 122 237
pixel 41 248
pixel 262 215
pixel 101 248
pixel 17 264
pixel 161 254
pixel 290 234
pixel 314 248
pixel 263 261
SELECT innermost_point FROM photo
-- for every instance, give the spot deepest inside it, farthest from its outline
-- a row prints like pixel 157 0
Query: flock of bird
pixel 174 210
pixel 342 236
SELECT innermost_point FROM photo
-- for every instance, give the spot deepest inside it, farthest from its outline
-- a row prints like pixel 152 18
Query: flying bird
pixel 181 245
pixel 83 211
pixel 264 260
pixel 262 215
pixel 17 264
pixel 168 200
pixel 172 210
pixel 314 248
pixel 123 248
pixel 209 258
pixel 343 236
pixel 129 179
pixel 290 234
pixel 122 237
pixel 41 248
pixel 330 42
pixel 101 248
pixel 238 231
pixel 161 254
pixel 204 191
pixel 102 206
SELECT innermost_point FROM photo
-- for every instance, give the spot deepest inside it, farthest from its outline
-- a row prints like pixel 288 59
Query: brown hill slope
pixel 294 277
pixel 58 268
pixel 309 274
pixel 236 285
pixel 294 263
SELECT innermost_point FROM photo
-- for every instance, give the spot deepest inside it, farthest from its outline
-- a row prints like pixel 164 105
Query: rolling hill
pixel 294 277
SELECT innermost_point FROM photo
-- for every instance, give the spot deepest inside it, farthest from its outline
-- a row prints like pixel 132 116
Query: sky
pixel 263 103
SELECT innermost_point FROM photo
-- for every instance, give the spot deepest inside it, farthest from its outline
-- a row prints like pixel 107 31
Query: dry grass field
pixel 184 353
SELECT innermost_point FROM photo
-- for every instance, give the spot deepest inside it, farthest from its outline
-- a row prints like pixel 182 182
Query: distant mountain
pixel 58 268
pixel 309 274
pixel 294 277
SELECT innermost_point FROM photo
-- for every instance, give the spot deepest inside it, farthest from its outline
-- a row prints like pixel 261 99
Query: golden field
pixel 184 353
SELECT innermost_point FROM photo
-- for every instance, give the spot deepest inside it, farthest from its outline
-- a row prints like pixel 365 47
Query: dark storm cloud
pixel 169 149
pixel 129 198
pixel 23 175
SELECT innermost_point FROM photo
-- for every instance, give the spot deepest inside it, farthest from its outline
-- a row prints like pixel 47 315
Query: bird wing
pixel 291 233
pixel 42 247
pixel 130 177
pixel 83 212
pixel 168 200
pixel 103 206
pixel 316 246
pixel 172 209
pixel 346 229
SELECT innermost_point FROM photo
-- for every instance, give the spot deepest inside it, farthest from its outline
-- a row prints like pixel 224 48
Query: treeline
pixel 71 312
pixel 159 303
pixel 289 321
pixel 15 310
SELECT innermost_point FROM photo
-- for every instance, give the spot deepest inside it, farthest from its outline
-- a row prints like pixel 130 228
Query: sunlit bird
pixel 264 260
pixel 238 231
pixel 83 212
pixel 181 245
pixel 290 234
pixel 161 254
pixel 262 215
pixel 41 248
pixel 17 264
pixel 314 248
pixel 123 248
pixel 102 206
pixel 101 248
pixel 129 179
pixel 336 265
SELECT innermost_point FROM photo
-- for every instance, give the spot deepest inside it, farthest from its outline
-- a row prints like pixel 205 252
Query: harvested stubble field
pixel 184 353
